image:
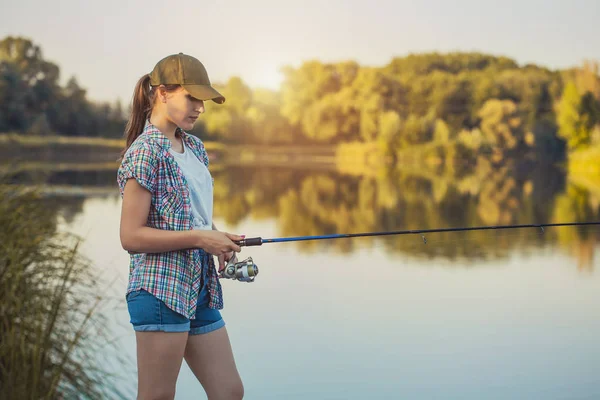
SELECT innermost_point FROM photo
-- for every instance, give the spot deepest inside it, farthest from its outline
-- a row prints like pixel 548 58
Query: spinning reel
pixel 244 271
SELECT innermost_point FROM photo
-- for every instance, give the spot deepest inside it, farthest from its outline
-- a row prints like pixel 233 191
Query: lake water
pixel 510 314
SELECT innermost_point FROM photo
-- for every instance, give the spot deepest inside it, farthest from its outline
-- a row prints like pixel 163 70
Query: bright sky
pixel 109 44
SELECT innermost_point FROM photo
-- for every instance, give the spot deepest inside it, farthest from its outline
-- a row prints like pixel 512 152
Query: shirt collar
pixel 155 134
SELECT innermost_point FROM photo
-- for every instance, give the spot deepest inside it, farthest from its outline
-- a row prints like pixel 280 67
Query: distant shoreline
pixel 26 140
pixel 56 149
pixel 34 141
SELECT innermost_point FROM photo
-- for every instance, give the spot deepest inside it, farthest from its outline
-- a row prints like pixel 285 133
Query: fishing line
pixel 446 244
pixel 258 241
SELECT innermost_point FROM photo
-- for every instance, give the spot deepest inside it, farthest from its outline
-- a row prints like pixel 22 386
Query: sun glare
pixel 269 77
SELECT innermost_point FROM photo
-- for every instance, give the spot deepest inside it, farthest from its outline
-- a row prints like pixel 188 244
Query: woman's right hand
pixel 218 243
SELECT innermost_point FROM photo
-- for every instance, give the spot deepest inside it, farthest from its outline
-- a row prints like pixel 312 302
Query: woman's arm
pixel 139 238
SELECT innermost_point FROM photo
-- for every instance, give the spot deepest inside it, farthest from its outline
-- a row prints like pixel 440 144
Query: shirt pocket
pixel 171 201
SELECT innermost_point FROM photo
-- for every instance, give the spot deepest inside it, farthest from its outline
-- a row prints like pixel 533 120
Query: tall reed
pixel 51 327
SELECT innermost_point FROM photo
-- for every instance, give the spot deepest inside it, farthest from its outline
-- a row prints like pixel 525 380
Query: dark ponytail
pixel 143 102
pixel 143 99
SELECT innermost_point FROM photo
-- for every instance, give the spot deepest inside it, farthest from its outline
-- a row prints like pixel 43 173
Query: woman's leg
pixel 210 358
pixel 159 357
pixel 161 336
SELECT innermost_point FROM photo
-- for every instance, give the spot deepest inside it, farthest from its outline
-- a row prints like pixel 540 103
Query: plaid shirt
pixel 173 277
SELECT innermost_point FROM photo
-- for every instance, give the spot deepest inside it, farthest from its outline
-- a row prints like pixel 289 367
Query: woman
pixel 174 295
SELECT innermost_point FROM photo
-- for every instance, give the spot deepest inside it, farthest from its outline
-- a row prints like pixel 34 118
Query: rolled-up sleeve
pixel 140 164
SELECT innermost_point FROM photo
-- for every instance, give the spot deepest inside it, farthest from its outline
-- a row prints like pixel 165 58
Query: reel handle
pixel 256 241
pixel 244 271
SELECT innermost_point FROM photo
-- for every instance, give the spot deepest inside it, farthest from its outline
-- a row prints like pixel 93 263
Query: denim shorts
pixel 149 314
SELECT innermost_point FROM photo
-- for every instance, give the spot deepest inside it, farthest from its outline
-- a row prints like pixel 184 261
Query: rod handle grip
pixel 255 241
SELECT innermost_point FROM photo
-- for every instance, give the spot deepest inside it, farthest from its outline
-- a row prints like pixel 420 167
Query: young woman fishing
pixel 174 294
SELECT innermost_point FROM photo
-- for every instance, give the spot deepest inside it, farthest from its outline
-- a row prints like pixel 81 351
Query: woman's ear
pixel 162 93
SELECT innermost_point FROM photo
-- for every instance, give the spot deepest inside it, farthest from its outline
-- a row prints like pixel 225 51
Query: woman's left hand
pixel 223 259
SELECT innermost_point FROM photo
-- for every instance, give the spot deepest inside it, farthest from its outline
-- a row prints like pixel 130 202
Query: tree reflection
pixel 413 197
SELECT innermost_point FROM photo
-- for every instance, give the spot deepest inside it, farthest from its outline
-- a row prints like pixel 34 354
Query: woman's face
pixel 183 109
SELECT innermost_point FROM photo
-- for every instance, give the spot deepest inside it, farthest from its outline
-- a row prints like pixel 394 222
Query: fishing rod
pixel 246 270
pixel 258 241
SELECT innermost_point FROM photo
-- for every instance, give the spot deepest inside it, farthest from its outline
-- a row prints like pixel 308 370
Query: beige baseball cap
pixel 187 71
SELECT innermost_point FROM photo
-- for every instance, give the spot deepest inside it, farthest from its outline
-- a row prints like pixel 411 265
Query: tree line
pixel 419 99
pixel 33 102
pixel 413 100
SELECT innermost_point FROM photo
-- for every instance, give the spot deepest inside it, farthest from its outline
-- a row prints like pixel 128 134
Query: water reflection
pixel 309 201
pixel 410 197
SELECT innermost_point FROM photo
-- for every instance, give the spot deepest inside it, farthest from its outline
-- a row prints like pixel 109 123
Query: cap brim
pixel 205 92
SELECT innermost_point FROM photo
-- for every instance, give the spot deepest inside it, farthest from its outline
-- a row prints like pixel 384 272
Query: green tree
pixel 29 73
pixel 589 109
pixel 32 100
pixel 268 125
pixel 13 99
pixel 70 113
pixel 228 121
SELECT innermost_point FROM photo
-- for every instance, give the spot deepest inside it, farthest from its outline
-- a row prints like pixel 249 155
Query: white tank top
pixel 200 187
